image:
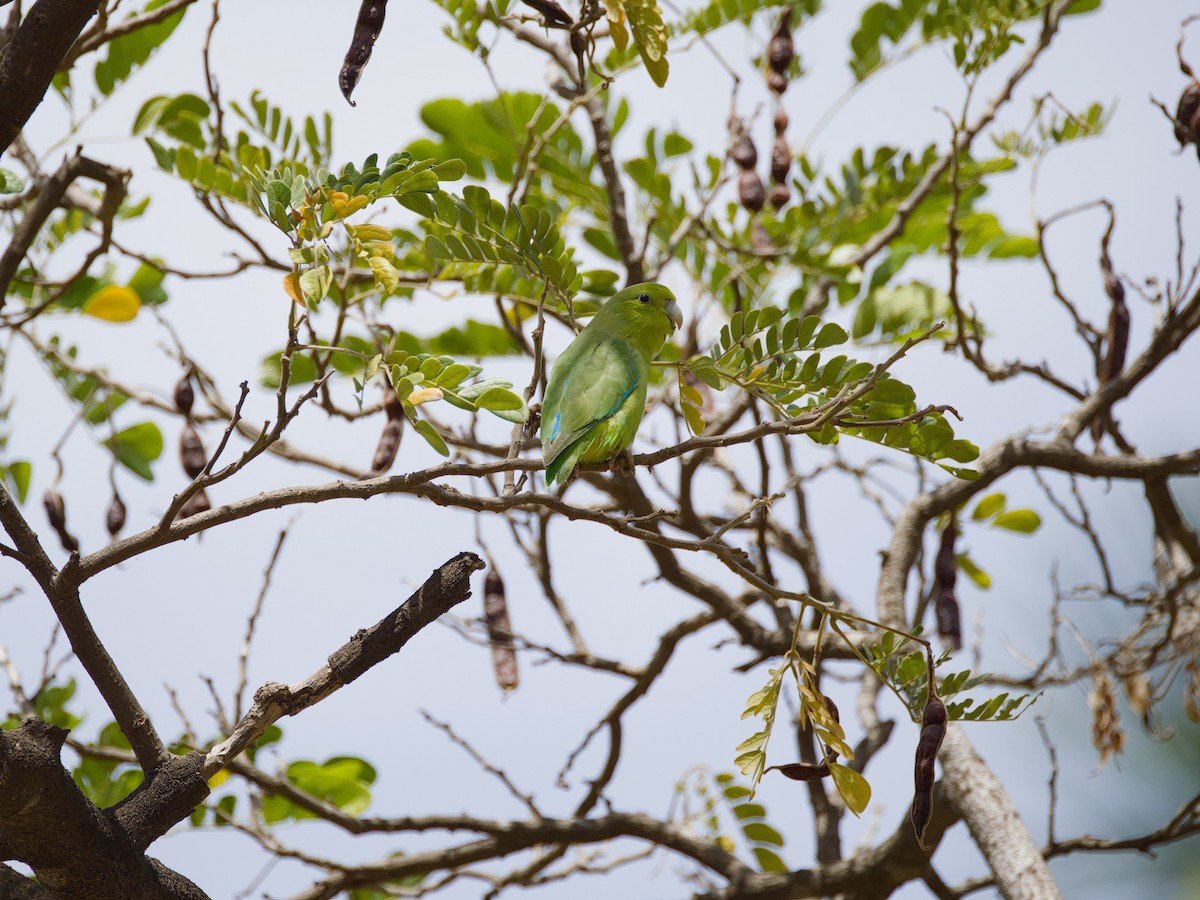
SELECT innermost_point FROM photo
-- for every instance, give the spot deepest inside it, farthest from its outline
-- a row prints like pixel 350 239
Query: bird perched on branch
pixel 597 390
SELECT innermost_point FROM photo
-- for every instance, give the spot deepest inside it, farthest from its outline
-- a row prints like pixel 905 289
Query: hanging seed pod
pixel 197 503
pixel 56 512
pixel 389 443
pixel 781 159
pixel 945 570
pixel 366 31
pixel 1185 113
pixel 933 730
pixel 185 396
pixel 801 771
pixel 392 406
pixel 495 616
pixel 1116 340
pixel 781 121
pixel 1107 736
pixel 780 49
pixel 743 152
pixel 191 451
pixel 780 195
pixel 777 82
pixel 114 518
pixel 751 191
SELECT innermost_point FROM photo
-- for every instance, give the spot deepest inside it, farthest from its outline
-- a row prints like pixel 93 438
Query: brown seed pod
pixel 56 512
pixel 743 152
pixel 114 518
pixel 552 12
pixel 197 503
pixel 933 730
pixel 1107 736
pixel 185 396
pixel 392 406
pixel 1116 340
pixel 781 159
pixel 1185 114
pixel 801 771
pixel 751 191
pixel 945 569
pixel 389 443
pixel 495 616
pixel 366 31
pixel 191 451
pixel 780 49
pixel 780 195
pixel 781 121
pixel 777 82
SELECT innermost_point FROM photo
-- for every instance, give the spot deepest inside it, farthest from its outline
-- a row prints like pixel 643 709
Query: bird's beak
pixel 674 314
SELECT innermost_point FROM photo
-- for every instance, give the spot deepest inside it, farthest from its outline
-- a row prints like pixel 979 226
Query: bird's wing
pixel 586 389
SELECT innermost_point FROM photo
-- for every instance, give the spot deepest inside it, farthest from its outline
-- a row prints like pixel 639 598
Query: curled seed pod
pixel 1107 736
pixel 743 152
pixel 191 451
pixel 114 518
pixel 1185 113
pixel 392 406
pixel 1191 693
pixel 197 503
pixel 933 730
pixel 780 195
pixel 185 396
pixel 751 191
pixel 777 82
pixel 781 121
pixel 56 512
pixel 366 31
pixel 495 616
pixel 389 443
pixel 780 49
pixel 1116 340
pixel 552 12
pixel 781 159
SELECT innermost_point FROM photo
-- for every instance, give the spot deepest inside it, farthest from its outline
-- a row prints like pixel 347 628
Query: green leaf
pixel 769 861
pixel 10 182
pixel 981 578
pixel 19 473
pixel 436 441
pixel 136 447
pixel 763 833
pixel 989 506
pixel 853 788
pixel 830 334
pixel 1025 521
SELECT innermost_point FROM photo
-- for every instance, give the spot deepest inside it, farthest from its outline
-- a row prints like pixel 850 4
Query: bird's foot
pixel 622 464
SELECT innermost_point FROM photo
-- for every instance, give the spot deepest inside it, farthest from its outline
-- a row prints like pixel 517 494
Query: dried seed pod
pixel 197 503
pixel 945 570
pixel 777 82
pixel 781 159
pixel 1191 693
pixel 191 451
pixel 780 195
pixel 56 512
pixel 495 616
pixel 366 31
pixel 742 151
pixel 389 443
pixel 781 121
pixel 392 406
pixel 551 12
pixel 801 771
pixel 751 191
pixel 185 396
pixel 1116 340
pixel 933 730
pixel 1185 114
pixel 780 48
pixel 1107 736
pixel 114 518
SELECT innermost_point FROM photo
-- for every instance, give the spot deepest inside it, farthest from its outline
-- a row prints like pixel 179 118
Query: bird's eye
pixel 645 298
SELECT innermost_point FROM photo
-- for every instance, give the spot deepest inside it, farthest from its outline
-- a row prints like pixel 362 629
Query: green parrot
pixel 597 390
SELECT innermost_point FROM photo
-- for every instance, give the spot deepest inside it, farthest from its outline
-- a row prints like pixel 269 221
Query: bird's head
pixel 650 305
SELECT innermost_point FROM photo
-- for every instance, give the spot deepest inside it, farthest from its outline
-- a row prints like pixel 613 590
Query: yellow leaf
pixel 424 395
pixel 291 286
pixel 220 778
pixel 369 232
pixel 113 303
pixel 853 788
